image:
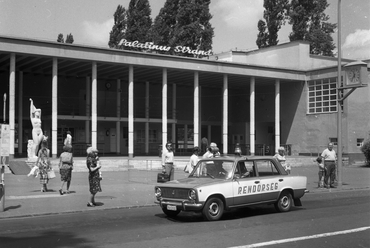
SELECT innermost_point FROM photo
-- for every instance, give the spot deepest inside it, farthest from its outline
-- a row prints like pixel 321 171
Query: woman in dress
pixel 92 162
pixel 280 156
pixel 37 134
pixel 65 168
pixel 43 163
pixel 167 160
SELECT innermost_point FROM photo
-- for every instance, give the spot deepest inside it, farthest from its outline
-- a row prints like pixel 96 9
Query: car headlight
pixel 192 195
pixel 158 192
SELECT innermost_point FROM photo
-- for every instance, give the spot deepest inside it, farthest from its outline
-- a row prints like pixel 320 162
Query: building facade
pixel 131 103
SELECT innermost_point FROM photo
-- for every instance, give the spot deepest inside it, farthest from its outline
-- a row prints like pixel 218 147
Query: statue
pixel 37 134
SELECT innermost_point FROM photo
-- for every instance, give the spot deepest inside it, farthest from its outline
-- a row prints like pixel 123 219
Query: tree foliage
pixel 193 28
pixel 60 38
pixel 366 150
pixel 262 35
pixel 119 28
pixel 69 38
pixel 164 24
pixel 309 22
pixel 139 22
pixel 274 14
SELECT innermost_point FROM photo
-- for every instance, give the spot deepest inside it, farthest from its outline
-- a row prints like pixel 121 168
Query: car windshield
pixel 221 169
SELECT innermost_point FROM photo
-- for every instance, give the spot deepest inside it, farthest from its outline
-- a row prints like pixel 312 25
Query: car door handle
pixel 280 180
pixel 256 182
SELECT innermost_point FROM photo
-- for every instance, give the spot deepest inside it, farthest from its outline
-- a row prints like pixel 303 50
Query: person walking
pixel 330 157
pixel 93 165
pixel 167 160
pixel 65 168
pixel 193 160
pixel 204 145
pixel 43 164
pixel 68 139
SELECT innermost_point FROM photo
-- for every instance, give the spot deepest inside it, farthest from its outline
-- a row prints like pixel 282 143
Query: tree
pixel 138 22
pixel 193 29
pixel 309 22
pixel 365 148
pixel 119 28
pixel 274 14
pixel 164 24
pixel 69 38
pixel 60 38
pixel 262 35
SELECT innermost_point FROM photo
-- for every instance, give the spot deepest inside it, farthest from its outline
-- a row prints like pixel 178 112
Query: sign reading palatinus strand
pixel 152 46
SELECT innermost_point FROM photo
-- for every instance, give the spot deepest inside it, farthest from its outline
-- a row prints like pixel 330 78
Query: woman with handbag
pixel 92 162
pixel 43 163
pixel 65 168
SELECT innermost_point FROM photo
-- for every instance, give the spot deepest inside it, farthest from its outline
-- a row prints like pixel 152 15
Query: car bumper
pixel 184 205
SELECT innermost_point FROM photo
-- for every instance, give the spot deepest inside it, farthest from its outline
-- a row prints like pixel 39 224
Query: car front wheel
pixel 213 209
pixel 284 203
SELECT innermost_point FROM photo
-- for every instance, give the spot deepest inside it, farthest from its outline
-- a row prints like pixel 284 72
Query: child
pixel 321 172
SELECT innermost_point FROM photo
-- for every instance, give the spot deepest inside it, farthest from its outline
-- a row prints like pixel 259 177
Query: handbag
pixel 51 174
pixel 163 177
pixel 186 166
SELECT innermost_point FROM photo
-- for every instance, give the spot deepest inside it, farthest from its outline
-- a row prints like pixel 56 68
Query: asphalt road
pixel 325 220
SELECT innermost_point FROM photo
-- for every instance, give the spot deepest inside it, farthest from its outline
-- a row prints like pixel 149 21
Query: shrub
pixel 366 150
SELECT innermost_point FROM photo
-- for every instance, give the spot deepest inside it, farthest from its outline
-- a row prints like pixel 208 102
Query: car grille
pixel 175 193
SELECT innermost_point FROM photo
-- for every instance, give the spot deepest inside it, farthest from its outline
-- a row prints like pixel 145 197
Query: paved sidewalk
pixel 126 189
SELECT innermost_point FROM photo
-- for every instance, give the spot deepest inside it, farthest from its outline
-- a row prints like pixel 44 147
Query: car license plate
pixel 172 208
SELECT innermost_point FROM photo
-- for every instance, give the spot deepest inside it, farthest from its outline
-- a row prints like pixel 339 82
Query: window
pixel 360 142
pixel 322 96
pixel 334 141
pixel 266 168
pixel 140 136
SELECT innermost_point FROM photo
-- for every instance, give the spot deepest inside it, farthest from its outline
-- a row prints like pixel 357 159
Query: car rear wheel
pixel 284 203
pixel 213 209
pixel 170 213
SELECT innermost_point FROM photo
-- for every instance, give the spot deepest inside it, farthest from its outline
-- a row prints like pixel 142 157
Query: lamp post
pixel 340 102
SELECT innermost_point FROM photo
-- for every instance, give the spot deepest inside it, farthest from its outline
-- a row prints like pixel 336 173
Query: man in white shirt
pixel 210 153
pixel 329 156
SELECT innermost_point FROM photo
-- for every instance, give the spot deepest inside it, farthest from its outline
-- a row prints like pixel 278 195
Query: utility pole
pixel 340 103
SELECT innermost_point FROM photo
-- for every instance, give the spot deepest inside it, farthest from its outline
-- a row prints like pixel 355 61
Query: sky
pixel 234 22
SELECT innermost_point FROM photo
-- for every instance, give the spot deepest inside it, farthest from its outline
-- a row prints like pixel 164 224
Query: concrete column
pixel 277 114
pixel 185 137
pixel 174 109
pixel 147 117
pixel 94 106
pixel 20 112
pixel 196 109
pixel 131 112
pixel 12 104
pixel 164 107
pixel 225 115
pixel 252 117
pixel 118 123
pixel 88 112
pixel 54 115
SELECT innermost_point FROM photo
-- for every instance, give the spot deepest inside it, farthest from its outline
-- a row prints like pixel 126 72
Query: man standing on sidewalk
pixel 329 156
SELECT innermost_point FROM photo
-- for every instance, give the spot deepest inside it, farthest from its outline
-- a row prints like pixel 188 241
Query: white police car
pixel 223 183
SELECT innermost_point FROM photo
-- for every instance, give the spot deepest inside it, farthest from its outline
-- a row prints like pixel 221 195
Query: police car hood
pixel 192 182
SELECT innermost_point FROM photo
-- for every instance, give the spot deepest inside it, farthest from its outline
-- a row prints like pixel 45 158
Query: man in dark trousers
pixel 329 156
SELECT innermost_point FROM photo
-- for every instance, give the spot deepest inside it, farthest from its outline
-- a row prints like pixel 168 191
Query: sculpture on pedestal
pixel 37 134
